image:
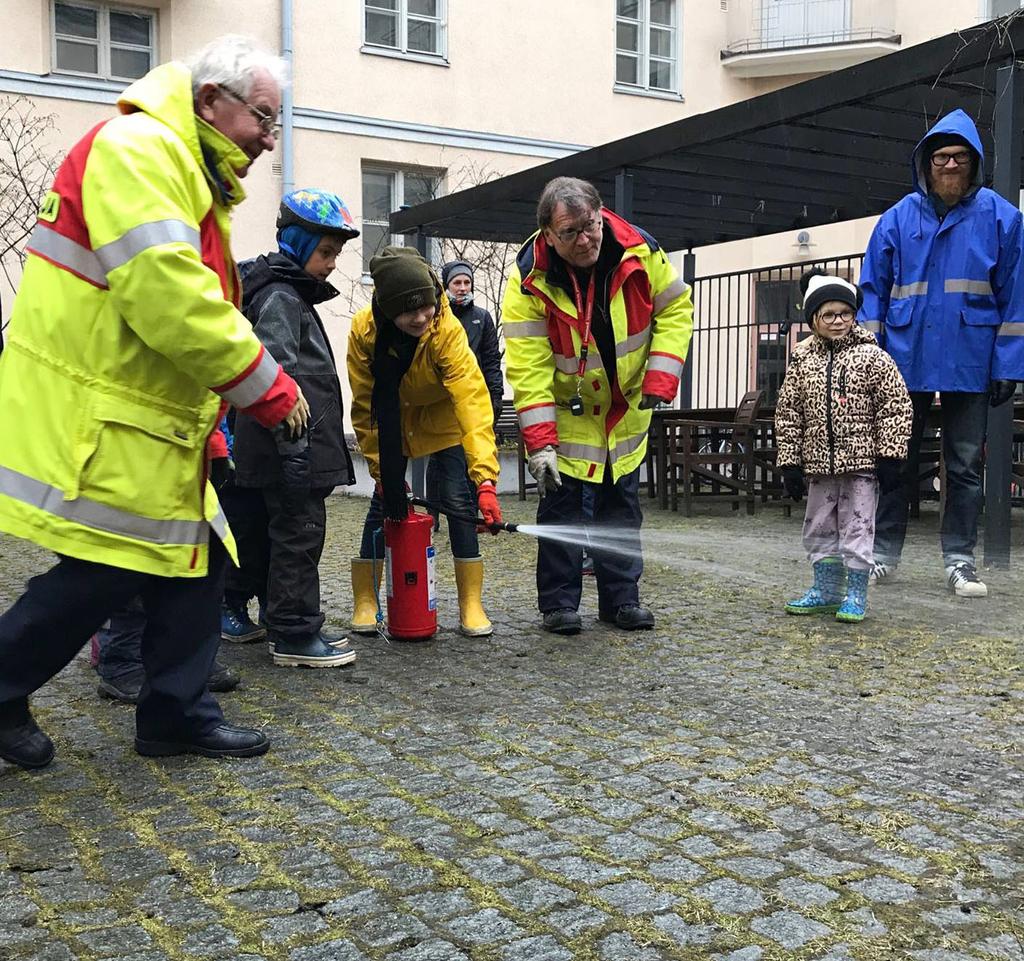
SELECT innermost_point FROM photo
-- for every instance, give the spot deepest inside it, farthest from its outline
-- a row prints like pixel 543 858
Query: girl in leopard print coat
pixel 842 423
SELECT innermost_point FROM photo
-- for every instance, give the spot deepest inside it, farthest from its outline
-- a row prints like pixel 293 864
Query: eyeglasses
pixel 829 316
pixel 960 158
pixel 268 123
pixel 592 228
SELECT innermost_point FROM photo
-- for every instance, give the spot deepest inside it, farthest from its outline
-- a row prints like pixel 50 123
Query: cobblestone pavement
pixel 737 784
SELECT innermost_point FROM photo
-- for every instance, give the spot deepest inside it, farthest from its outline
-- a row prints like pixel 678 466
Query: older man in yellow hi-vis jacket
pixel 597 324
pixel 124 344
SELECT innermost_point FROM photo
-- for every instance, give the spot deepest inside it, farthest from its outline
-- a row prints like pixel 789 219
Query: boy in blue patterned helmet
pixel 285 481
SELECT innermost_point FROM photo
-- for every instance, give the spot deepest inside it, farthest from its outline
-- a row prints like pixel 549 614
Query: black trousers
pixel 285 567
pixel 560 562
pixel 246 512
pixel 61 609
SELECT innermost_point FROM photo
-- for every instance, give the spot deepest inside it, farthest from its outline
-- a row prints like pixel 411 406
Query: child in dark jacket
pixel 842 423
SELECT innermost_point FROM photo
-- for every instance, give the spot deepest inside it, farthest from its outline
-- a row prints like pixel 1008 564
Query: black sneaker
pixel 629 617
pixel 563 621
pixel 309 652
pixel 124 688
pixel 222 678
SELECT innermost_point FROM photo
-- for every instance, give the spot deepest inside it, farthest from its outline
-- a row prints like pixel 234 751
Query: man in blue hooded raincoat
pixel 944 295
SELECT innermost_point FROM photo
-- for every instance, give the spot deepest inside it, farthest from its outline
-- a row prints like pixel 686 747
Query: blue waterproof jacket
pixel 945 297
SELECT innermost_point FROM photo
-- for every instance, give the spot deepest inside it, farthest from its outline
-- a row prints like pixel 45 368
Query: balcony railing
pixel 762 26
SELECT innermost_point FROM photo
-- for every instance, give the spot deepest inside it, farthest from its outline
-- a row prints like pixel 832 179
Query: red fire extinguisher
pixel 412 587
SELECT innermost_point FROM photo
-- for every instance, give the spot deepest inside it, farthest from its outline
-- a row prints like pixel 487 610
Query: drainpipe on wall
pixel 287 101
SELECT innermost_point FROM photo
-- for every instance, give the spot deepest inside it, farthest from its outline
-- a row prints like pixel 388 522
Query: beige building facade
pixel 394 101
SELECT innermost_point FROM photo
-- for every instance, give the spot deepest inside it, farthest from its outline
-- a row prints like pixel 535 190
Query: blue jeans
pixel 448 486
pixel 964 421
pixel 560 565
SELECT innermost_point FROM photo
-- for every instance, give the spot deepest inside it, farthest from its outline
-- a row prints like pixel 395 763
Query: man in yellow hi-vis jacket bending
pixel 597 324
pixel 124 344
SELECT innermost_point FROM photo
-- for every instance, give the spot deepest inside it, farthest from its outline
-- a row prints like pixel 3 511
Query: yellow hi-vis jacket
pixel 443 395
pixel 124 340
pixel 652 319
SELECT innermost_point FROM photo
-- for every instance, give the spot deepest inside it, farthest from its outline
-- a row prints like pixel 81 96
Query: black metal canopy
pixel 830 149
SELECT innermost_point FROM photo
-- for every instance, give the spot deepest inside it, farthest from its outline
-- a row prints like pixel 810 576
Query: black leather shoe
pixel 222 678
pixel 629 617
pixel 25 745
pixel 223 741
pixel 125 688
pixel 563 621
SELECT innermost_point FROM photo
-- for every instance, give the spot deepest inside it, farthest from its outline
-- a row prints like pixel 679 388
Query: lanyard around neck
pixel 585 310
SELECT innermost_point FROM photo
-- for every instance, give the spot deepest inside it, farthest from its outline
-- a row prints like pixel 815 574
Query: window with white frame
pixel 100 40
pixel 1000 8
pixel 647 45
pixel 405 26
pixel 386 189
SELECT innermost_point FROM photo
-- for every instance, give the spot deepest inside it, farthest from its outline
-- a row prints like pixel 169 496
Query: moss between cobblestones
pixel 897 664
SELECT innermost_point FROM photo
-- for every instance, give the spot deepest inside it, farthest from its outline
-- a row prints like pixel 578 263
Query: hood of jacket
pixel 165 93
pixel 275 268
pixel 957 123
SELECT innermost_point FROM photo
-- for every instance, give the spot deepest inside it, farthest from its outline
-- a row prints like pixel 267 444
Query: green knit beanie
pixel 402 281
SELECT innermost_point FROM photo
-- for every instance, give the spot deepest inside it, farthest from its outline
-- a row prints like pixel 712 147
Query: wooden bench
pixel 506 433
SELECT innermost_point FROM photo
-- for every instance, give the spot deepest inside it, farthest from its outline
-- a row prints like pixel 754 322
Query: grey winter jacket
pixel 278 297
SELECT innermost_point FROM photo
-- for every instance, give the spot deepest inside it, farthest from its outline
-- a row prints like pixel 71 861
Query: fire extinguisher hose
pixel 466 518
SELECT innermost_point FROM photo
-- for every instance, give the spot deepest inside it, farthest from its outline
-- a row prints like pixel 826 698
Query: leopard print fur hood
pixel 842 405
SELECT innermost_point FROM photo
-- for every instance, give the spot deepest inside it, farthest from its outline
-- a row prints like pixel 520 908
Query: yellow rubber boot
pixel 366 576
pixel 469 579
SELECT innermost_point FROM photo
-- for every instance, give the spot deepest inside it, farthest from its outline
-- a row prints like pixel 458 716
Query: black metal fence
pixel 745 325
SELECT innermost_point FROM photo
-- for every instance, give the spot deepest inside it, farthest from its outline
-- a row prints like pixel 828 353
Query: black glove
pixel 1000 391
pixel 889 471
pixel 296 481
pixel 793 481
pixel 222 472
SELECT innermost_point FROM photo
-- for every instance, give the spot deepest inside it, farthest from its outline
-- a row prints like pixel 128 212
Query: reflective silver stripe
pixel 633 342
pixel 1012 328
pixel 65 252
pixel 626 447
pixel 967 287
pixel 910 290
pixel 570 365
pixel 583 452
pixel 119 252
pixel 666 365
pixel 537 415
pixel 875 326
pixel 670 293
pixel 101 517
pixel 219 523
pixel 530 328
pixel 246 392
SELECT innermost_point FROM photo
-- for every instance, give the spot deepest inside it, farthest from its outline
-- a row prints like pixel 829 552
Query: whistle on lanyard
pixel 576 405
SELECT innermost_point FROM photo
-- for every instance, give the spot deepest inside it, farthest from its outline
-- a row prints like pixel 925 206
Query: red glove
pixel 487 501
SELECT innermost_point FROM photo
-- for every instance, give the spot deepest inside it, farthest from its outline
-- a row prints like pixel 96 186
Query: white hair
pixel 233 61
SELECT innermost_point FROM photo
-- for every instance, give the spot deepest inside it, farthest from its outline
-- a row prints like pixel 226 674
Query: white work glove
pixel 543 464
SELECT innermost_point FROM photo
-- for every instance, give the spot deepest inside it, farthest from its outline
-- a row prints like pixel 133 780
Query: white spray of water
pixel 659 546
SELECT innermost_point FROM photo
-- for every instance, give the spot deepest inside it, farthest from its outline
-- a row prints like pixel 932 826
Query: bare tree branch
pixel 27 168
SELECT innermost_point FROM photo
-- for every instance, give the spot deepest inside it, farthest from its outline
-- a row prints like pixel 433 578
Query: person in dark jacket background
pixel 280 293
pixel 457 279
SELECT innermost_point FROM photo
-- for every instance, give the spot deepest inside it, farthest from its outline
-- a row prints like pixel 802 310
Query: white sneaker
pixel 881 572
pixel 963 580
